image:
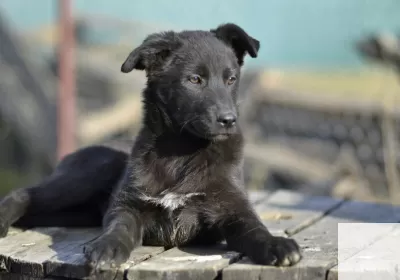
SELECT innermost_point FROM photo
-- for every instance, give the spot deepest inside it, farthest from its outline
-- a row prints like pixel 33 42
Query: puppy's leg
pixel 206 236
pixel 245 233
pixel 80 178
pixel 122 230
pixel 12 207
pixel 79 216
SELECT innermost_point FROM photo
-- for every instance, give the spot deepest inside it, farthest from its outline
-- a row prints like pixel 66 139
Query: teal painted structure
pixel 316 34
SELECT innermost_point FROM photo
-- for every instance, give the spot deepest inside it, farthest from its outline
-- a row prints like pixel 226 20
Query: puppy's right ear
pixel 152 52
pixel 241 42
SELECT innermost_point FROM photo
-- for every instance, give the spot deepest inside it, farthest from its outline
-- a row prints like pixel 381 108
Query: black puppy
pixel 182 183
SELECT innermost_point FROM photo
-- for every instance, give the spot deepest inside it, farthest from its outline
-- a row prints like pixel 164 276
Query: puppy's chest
pixel 176 183
pixel 187 174
pixel 172 201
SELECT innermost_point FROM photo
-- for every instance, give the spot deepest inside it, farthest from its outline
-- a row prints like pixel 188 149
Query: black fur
pixel 182 182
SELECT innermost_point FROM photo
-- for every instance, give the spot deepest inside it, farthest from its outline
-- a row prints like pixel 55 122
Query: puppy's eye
pixel 231 80
pixel 195 79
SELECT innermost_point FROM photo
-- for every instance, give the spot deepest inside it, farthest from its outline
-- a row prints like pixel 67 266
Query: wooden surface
pixel 56 253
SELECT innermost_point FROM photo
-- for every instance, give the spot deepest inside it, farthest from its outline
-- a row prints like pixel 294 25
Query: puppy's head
pixel 193 77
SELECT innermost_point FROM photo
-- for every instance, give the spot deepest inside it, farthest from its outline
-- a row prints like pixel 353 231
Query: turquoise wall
pixel 294 33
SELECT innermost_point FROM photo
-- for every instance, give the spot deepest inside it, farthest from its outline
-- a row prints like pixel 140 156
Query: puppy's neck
pixel 157 120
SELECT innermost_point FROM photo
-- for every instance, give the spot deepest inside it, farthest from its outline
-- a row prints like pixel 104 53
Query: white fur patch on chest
pixel 171 200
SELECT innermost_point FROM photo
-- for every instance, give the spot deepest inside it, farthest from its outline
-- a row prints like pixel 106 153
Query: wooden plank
pixel 71 263
pixel 184 263
pixel 31 261
pixel 318 243
pixel 21 242
pixel 379 260
pixel 286 212
pixel 58 252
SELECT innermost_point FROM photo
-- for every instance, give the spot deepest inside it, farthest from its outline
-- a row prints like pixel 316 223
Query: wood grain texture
pixel 287 212
pixel 184 263
pixel 71 263
pixel 32 261
pixel 22 242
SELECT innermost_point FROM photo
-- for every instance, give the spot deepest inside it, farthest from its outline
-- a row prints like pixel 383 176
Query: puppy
pixel 182 183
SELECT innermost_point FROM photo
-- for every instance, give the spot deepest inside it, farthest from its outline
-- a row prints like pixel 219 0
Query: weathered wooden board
pixel 56 252
pixel 32 261
pixel 18 243
pixel 182 264
pixel 71 263
pixel 286 212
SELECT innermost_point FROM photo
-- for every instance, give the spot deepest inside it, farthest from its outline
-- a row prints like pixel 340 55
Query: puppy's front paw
pixel 278 251
pixel 106 252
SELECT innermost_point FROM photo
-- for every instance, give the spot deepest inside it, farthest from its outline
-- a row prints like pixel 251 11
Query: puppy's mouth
pixel 223 134
pixel 221 137
pixel 206 134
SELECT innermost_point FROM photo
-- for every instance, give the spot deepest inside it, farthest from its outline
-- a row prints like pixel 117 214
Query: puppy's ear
pixel 238 39
pixel 152 52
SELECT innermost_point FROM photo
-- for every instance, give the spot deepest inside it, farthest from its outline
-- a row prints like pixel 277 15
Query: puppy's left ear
pixel 238 40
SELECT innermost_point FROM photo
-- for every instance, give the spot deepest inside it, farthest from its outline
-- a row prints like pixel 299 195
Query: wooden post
pixel 66 99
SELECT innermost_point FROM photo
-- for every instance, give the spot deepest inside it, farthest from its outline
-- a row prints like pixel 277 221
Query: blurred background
pixel 320 110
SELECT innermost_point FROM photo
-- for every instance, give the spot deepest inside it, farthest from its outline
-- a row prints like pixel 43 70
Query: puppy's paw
pixel 4 226
pixel 106 252
pixel 277 251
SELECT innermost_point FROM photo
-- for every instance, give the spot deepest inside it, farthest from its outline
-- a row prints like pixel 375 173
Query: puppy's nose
pixel 227 119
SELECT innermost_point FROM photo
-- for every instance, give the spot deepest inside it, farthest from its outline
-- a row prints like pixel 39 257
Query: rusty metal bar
pixel 66 98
